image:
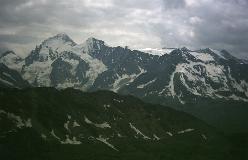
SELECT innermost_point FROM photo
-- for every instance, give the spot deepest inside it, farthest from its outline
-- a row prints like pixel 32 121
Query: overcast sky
pixel 218 24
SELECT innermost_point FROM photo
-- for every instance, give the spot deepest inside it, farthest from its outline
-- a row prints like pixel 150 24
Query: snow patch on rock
pixel 185 131
pixel 54 135
pixel 125 79
pixel 104 140
pixel 204 136
pixel 70 141
pixel 155 137
pixel 101 125
pixel 75 124
pixel 17 120
pixel 146 84
pixel 66 125
pixel 138 132
pixel 6 82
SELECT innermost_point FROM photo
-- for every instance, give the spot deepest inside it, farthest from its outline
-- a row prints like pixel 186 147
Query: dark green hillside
pixel 44 123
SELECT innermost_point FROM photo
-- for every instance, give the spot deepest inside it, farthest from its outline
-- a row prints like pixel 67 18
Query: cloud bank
pixel 221 24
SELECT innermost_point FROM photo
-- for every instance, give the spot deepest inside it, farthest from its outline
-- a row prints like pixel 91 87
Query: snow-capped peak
pixel 91 44
pixel 92 39
pixel 58 39
pixel 61 36
pixel 94 43
pixel 59 42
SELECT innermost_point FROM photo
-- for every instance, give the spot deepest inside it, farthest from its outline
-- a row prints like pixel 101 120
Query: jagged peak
pixel 185 49
pixel 62 34
pixel 91 40
pixel 60 37
pixel 205 50
pixel 93 43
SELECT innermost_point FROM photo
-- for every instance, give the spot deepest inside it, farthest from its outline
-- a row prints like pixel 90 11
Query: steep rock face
pixel 12 60
pixel 10 78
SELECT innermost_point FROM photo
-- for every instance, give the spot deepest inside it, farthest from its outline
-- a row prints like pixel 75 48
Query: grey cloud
pixel 169 4
pixel 142 23
pixel 19 39
pixel 223 26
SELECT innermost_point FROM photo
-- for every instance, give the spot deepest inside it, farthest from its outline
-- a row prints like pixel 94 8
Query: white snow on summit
pixel 39 71
pixel 61 42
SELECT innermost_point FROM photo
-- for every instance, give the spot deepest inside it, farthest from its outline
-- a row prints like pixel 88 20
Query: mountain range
pixel 201 82
pixel 92 101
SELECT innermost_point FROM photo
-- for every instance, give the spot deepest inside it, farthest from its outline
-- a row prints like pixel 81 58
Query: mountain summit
pixel 92 45
pixel 61 36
